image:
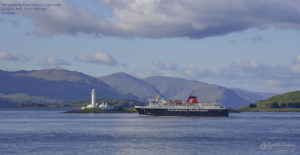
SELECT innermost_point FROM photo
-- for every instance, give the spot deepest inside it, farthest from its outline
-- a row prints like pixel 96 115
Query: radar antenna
pixel 192 92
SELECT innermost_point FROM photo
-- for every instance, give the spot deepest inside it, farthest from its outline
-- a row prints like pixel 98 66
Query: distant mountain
pixel 56 84
pixel 126 83
pixel 58 75
pixel 177 88
pixel 63 86
pixel 252 97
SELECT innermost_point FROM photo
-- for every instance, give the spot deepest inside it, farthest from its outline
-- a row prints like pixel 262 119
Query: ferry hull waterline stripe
pixel 181 112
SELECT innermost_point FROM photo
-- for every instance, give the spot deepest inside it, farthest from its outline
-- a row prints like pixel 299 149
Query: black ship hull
pixel 183 112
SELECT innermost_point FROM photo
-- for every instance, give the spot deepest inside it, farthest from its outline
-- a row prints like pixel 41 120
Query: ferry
pixel 178 108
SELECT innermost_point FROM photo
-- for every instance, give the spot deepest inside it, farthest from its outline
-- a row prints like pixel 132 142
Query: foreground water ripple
pixel 50 131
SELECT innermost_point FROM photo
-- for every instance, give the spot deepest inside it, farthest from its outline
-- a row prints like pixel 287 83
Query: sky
pixel 248 44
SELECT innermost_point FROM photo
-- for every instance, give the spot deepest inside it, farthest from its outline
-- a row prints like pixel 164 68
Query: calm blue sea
pixel 50 131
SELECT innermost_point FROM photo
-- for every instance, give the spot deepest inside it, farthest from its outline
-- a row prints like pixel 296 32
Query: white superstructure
pixel 167 104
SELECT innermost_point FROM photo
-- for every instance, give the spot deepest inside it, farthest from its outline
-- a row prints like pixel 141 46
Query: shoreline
pixel 99 111
pixel 271 110
pixel 76 110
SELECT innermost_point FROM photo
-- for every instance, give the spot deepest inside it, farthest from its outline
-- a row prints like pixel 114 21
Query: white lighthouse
pixel 93 102
pixel 103 106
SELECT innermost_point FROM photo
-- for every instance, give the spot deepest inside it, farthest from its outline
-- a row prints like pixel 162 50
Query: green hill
pixel 21 99
pixel 117 103
pixel 285 102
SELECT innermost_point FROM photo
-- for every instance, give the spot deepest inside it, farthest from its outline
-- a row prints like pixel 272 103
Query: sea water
pixel 50 131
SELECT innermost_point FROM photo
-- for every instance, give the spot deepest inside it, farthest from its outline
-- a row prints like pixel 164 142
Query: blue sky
pixel 252 45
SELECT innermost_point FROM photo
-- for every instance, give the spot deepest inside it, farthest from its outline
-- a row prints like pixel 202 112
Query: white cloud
pixel 144 73
pixel 51 62
pixel 66 18
pixel 297 59
pixel 244 66
pixel 7 57
pixel 167 65
pixel 280 76
pixel 195 72
pixel 273 82
pixel 124 65
pixel 98 58
pixel 295 68
pixel 158 18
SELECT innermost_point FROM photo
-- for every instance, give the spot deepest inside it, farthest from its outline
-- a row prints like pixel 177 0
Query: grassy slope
pixel 26 101
pixel 285 102
pixel 117 103
pixel 14 100
pixel 98 110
